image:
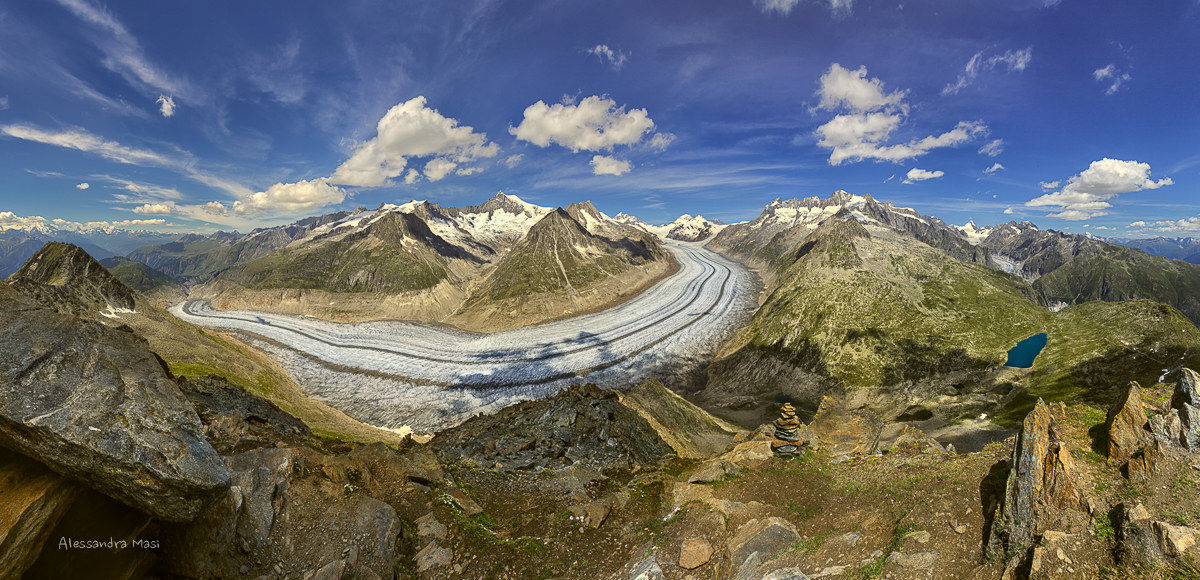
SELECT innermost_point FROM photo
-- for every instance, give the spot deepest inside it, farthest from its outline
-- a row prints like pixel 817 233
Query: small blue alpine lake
pixel 1022 355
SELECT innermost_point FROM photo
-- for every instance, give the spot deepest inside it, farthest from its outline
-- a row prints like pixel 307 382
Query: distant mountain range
pixel 687 228
pixel 1186 249
pixel 18 244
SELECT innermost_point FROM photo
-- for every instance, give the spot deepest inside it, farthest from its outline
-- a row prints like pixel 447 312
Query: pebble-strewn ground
pixel 427 377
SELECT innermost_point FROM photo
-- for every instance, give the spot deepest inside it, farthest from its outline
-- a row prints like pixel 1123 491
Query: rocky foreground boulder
pixel 587 425
pixel 94 404
pixel 1039 490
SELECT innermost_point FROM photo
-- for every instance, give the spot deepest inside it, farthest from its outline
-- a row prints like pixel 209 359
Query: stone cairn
pixel 787 432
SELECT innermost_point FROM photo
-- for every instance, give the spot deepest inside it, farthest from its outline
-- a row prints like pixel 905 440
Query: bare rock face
pixel 1127 426
pixel 841 431
pixel 1040 486
pixel 1186 401
pixel 94 404
pixel 32 499
pixel 1136 541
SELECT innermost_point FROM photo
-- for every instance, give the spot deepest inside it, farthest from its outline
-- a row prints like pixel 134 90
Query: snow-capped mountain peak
pixel 973 233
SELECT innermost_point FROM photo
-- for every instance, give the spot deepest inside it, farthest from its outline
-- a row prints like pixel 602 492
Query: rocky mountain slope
pixel 1071 268
pixel 65 278
pixel 861 306
pixel 138 276
pixel 417 261
pixel 196 477
pixel 560 268
pixel 765 242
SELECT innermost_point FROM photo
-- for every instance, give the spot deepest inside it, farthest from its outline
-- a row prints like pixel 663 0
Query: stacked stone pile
pixel 787 432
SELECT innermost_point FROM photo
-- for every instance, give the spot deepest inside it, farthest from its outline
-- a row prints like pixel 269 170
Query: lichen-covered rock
pixel 1126 428
pixel 1186 401
pixel 94 404
pixel 1137 542
pixel 1039 484
pixel 694 552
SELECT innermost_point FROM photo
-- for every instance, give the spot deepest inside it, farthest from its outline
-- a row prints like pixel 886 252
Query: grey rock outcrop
pixel 264 518
pixel 1039 487
pixel 94 404
pixel 1186 402
pixel 236 420
pixel 760 540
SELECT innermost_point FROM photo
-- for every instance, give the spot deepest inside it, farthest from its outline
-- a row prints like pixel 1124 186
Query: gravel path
pixel 428 377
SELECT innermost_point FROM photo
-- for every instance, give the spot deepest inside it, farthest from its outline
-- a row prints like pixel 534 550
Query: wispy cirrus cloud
pixel 1012 60
pixel 611 56
pixel 1113 76
pixel 122 53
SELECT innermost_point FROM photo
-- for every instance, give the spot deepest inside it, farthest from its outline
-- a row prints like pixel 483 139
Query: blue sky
pixel 204 115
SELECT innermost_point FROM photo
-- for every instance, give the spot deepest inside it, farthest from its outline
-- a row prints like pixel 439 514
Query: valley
pixel 426 377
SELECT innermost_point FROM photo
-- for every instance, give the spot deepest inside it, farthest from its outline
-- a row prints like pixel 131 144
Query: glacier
pixel 397 374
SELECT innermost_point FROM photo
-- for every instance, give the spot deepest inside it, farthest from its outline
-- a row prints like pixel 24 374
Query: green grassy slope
pixel 874 312
pixel 137 275
pixel 883 308
pixel 386 257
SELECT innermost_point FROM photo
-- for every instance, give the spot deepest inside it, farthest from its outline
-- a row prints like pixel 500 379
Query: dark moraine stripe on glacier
pixel 1022 355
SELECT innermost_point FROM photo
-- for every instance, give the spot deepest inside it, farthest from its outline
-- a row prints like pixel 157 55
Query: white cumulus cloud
pixel 914 175
pixel 1013 60
pixel 292 197
pixel 994 168
pixel 514 160
pixel 411 129
pixel 605 165
pixel 438 168
pixel 83 185
pixel 1087 194
pixel 868 115
pixel 594 124
pixel 164 208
